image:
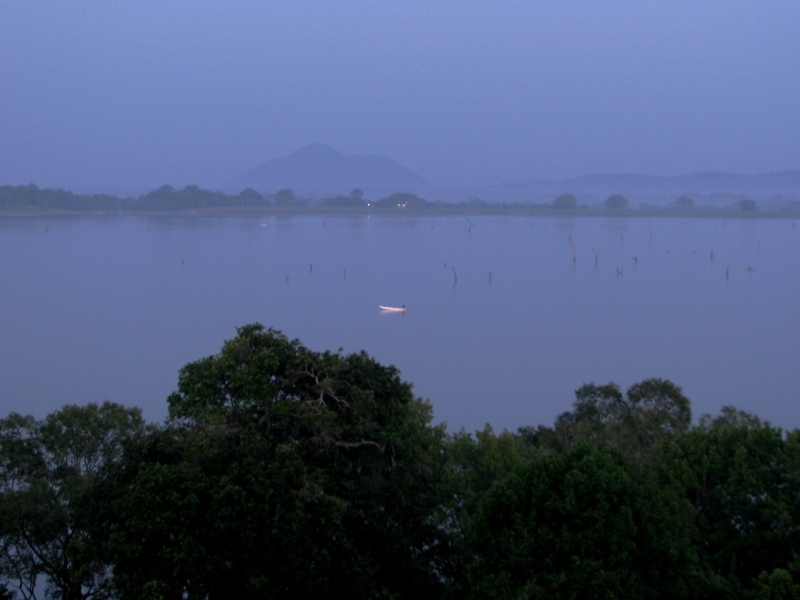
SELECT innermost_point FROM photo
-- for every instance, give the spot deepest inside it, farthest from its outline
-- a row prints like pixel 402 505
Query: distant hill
pixel 319 169
pixel 708 182
pixel 650 187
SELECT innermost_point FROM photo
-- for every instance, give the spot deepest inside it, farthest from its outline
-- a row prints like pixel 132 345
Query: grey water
pixel 506 316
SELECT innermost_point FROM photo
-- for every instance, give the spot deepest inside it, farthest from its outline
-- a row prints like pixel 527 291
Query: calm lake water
pixel 506 316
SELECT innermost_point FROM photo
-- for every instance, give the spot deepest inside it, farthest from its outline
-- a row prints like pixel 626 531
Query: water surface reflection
pixel 506 315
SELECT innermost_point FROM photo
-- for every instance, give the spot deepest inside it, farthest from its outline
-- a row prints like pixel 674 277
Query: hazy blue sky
pixel 135 94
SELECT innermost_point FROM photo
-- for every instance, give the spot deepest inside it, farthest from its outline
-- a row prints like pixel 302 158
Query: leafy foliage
pixel 742 477
pixel 284 470
pixel 636 423
pixel 46 471
pixel 474 464
pixel 577 525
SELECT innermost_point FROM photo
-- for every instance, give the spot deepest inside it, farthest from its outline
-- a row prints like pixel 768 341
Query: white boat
pixel 393 308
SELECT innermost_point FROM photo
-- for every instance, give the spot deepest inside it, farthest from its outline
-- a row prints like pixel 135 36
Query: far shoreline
pixel 428 211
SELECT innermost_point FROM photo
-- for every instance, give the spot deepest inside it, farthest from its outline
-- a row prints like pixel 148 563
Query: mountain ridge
pixel 598 186
pixel 319 168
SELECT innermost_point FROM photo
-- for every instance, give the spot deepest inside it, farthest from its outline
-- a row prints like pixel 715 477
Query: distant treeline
pixel 193 198
pixel 165 198
pixel 282 472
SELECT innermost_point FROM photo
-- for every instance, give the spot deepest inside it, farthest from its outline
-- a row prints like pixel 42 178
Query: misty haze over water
pixel 518 102
pixel 506 316
pixel 125 97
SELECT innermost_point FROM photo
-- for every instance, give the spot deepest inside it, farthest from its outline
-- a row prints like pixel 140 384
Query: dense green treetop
pixel 580 524
pixel 742 478
pixel 313 472
pixel 285 472
pixel 636 423
pixel 47 470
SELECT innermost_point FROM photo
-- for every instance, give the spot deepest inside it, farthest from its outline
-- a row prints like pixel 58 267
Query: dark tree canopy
pixel 579 525
pixel 636 423
pixel 284 471
pixel 47 469
pixel 742 478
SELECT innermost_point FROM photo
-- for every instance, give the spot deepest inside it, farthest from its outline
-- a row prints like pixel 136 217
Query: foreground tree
pixel 284 471
pixel 475 463
pixel 585 524
pixel 46 471
pixel 742 478
pixel 637 423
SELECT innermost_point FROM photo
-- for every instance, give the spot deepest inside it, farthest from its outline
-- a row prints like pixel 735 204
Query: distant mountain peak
pixel 321 169
pixel 317 149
